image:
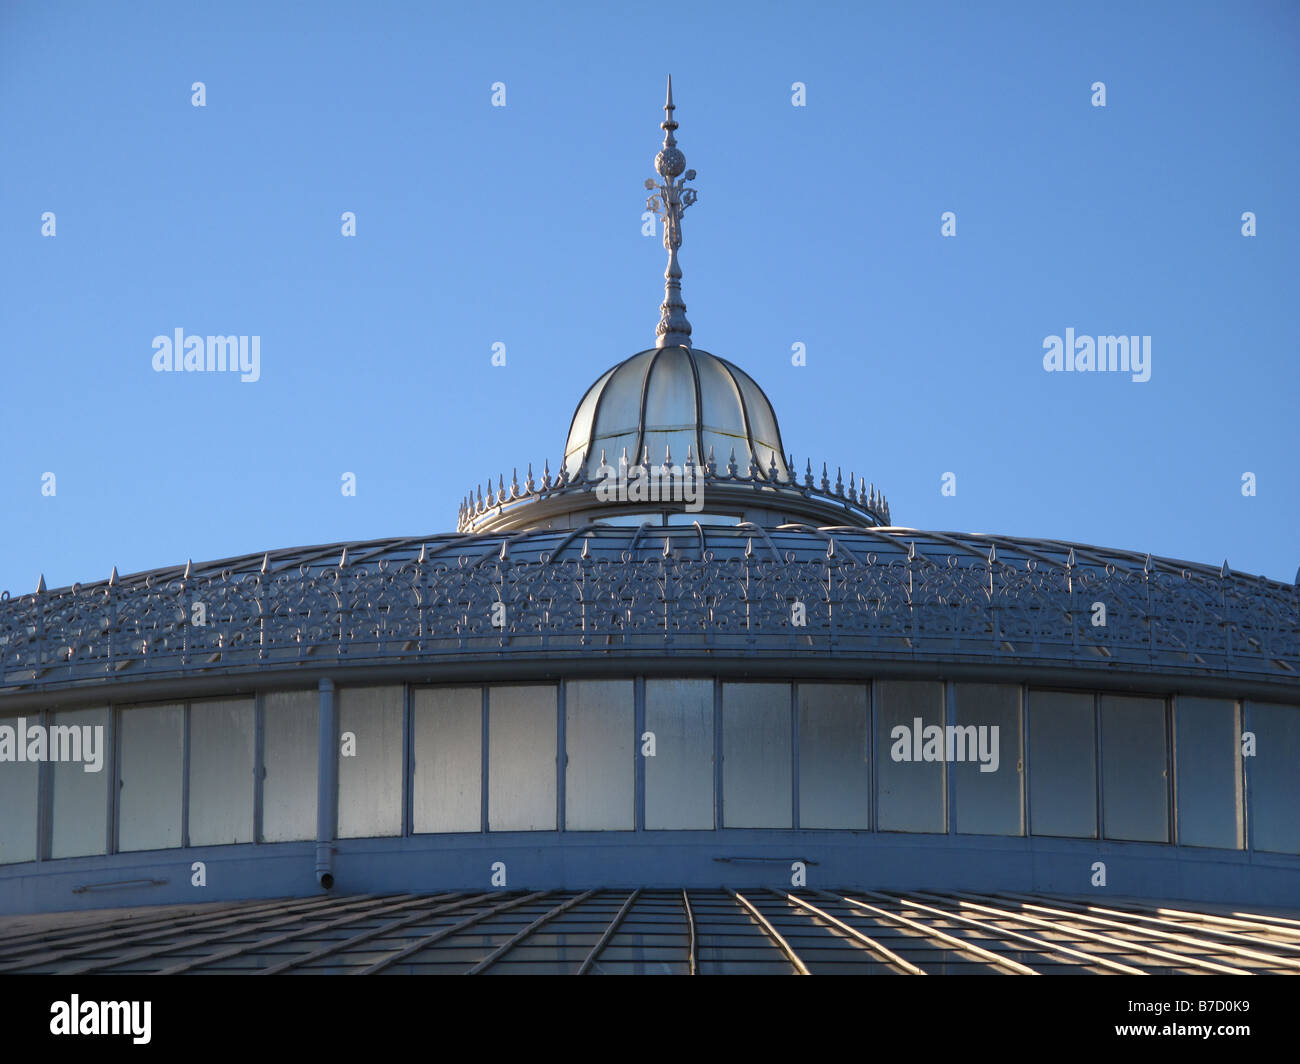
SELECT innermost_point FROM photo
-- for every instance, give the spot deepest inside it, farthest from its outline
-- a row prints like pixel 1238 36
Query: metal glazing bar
pixel 374 932
pixel 1081 913
pixel 763 922
pixel 192 941
pixel 161 928
pixel 438 936
pixel 692 952
pixel 603 941
pixel 519 936
pixel 1020 936
pixel 960 944
pixel 890 957
pixel 1184 925
pixel 302 932
pixel 1127 944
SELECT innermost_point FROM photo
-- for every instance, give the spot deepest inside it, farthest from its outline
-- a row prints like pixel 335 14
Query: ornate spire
pixel 670 201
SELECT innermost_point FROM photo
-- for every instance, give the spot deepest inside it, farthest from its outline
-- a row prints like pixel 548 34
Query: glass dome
pixel 666 400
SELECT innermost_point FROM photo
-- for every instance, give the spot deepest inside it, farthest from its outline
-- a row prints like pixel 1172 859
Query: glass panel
pixel 719 400
pixel 757 770
pixel 670 396
pixel 599 736
pixel 1135 769
pixel 909 756
pixel 1275 778
pixel 661 444
pixel 834 756
pixel 149 799
pixel 447 732
pixel 703 519
pixel 522 723
pixel 290 744
pixel 370 767
pixel 81 797
pixel 580 429
pixel 633 519
pixel 221 772
pixel 1207 762
pixel 679 778
pixel 987 763
pixel 18 790
pixel 620 411
pixel 1062 765
pixel 762 423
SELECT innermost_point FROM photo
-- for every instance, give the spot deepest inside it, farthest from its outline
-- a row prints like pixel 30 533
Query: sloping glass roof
pixel 753 930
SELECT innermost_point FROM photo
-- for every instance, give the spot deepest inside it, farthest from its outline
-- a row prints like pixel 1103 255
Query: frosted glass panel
pixel 834 756
pixel 80 797
pixel 987 762
pixel 522 724
pixel 1134 766
pixel 757 772
pixel 1275 778
pixel 679 778
pixel 600 720
pixel 370 780
pixel 1207 762
pixel 149 801
pixel 221 772
pixel 911 785
pixel 448 738
pixel 1062 765
pixel 18 782
pixel 290 739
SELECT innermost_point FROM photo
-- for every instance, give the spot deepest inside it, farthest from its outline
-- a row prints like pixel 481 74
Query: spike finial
pixel 669 201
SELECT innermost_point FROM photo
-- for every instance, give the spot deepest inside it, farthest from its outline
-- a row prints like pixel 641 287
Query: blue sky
pixel 522 225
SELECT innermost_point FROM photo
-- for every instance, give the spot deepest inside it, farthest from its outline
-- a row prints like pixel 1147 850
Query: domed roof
pixel 670 400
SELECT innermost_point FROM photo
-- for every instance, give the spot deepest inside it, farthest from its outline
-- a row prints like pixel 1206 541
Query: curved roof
pixel 722 591
pixel 660 931
pixel 671 401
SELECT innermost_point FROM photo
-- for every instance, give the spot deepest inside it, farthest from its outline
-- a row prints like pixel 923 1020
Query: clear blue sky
pixel 522 225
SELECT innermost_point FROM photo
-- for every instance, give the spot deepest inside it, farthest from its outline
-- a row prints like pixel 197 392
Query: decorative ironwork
pixel 669 202
pixel 771 487
pixel 681 589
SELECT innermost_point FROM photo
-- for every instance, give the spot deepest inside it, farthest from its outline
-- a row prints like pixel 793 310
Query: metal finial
pixel 670 200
